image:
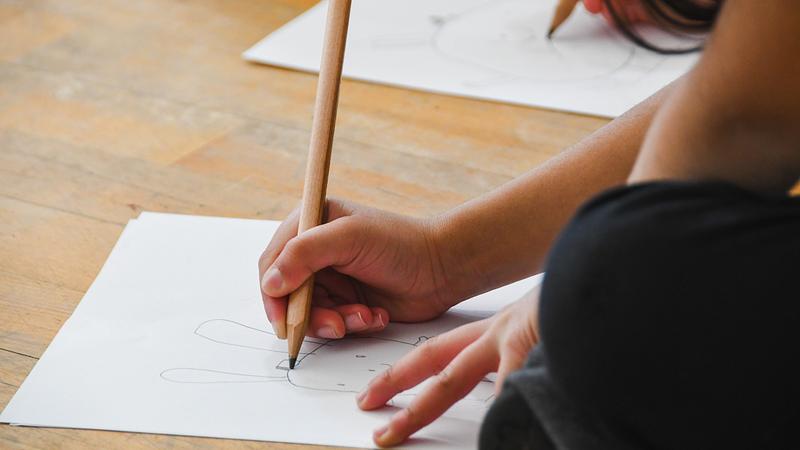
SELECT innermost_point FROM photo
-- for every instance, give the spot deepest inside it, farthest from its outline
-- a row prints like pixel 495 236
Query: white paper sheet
pixel 172 338
pixel 487 49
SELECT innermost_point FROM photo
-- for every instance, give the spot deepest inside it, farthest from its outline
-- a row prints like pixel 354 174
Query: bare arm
pixel 375 267
pixel 737 115
pixel 505 235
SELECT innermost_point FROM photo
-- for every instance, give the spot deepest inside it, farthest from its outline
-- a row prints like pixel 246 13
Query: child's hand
pixel 633 10
pixel 372 266
pixel 460 359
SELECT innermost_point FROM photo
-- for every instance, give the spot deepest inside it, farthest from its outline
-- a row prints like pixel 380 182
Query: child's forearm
pixel 505 235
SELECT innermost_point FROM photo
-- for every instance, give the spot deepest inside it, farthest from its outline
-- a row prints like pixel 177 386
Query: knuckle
pixel 445 381
pixel 330 209
pixel 412 416
pixel 295 248
pixel 339 207
pixel 427 350
pixel 350 227
pixel 387 377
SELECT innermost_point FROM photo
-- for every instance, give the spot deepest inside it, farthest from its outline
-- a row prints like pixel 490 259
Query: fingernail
pixel 377 321
pixel 269 319
pixel 327 333
pixel 361 396
pixel 280 330
pixel 272 282
pixel 278 327
pixel 355 322
pixel 387 435
pixel 379 432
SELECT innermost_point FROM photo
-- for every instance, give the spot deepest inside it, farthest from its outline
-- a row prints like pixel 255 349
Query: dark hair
pixel 681 17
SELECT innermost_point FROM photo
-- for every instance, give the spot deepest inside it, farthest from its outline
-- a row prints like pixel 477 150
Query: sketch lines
pixel 193 375
pixel 506 41
pixel 345 365
pixel 488 49
pixel 509 39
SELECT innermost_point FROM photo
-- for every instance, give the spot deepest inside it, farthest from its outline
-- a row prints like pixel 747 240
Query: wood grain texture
pixel 111 107
pixel 319 160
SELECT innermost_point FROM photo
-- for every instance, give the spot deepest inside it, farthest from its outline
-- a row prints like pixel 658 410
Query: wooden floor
pixel 111 107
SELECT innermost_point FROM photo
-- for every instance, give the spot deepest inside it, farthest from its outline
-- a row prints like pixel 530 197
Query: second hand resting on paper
pixel 373 266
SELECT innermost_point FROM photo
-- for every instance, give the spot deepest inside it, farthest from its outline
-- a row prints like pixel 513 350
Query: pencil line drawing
pixel 345 365
pixel 489 49
pixel 207 376
pixel 507 41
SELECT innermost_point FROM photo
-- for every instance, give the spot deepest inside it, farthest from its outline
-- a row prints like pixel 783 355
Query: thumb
pixel 331 244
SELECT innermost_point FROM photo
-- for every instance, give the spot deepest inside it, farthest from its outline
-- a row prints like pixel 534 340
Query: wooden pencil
pixel 319 158
pixel 563 11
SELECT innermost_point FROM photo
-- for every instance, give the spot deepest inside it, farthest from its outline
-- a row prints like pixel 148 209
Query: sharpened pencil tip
pixel 292 362
pixel 550 33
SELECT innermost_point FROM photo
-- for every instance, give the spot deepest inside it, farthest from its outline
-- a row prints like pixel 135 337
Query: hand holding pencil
pixel 363 258
pixel 319 158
